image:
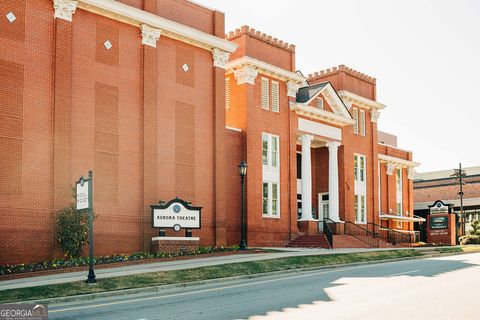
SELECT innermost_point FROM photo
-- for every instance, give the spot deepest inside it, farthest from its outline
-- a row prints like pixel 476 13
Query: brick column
pixel 150 36
pixel 62 104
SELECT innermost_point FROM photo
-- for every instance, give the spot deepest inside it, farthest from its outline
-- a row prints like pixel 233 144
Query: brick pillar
pixel 219 131
pixel 62 183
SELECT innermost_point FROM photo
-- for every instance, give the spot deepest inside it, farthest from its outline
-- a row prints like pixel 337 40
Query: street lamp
pixel 242 171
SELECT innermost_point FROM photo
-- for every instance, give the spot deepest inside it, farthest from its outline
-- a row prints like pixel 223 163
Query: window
pixel 274 150
pixel 270 150
pixel 265 198
pixel 264 94
pixel 399 185
pixel 271 199
pixel 359 168
pixel 265 149
pixel 271 175
pixel 355 117
pixel 320 103
pixel 362 123
pixel 275 97
pixel 227 93
pixel 360 206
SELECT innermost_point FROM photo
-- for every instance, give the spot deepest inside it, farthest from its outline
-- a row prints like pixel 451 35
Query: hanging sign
pixel 82 194
pixel 176 214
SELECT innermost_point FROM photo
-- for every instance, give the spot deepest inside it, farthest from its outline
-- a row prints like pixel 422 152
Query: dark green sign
pixel 438 223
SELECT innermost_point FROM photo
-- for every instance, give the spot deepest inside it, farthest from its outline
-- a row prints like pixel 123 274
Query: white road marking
pixel 202 291
pixel 400 273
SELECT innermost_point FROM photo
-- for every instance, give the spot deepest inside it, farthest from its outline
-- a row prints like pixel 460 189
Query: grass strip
pixel 467 248
pixel 197 274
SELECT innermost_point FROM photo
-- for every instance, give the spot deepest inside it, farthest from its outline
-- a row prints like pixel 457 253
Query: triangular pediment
pixel 325 90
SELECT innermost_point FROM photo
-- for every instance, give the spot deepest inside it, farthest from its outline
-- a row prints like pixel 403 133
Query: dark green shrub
pixel 72 231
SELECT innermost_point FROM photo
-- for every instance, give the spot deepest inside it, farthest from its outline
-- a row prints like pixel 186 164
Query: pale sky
pixel 424 55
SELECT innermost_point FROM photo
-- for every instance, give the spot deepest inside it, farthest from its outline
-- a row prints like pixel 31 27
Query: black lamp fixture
pixel 242 171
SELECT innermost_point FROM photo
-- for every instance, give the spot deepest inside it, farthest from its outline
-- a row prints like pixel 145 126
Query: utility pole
pixel 458 175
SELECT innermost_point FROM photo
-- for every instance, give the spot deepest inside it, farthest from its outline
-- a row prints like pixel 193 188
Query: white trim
pixel 136 17
pixel 150 35
pixel 265 68
pixel 175 239
pixel 360 101
pixel 401 218
pixel 329 93
pixel 64 9
pixel 320 114
pixel 319 129
pixel 233 129
pixel 397 161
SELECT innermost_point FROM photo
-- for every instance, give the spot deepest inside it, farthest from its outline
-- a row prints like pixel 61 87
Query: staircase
pixel 310 241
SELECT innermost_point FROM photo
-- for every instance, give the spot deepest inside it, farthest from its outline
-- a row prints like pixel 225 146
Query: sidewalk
pixel 175 265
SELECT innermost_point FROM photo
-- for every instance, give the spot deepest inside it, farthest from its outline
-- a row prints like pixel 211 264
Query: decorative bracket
pixel 220 58
pixel 245 75
pixel 390 168
pixel 150 35
pixel 292 88
pixel 64 9
pixel 374 115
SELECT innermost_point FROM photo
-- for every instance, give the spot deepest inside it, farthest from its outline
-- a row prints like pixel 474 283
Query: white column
pixel 306 178
pixel 333 202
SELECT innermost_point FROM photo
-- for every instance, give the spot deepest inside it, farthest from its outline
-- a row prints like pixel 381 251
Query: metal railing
pixel 362 234
pixel 394 236
pixel 327 230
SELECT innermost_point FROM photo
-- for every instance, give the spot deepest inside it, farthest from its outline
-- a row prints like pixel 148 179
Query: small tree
pixel 72 231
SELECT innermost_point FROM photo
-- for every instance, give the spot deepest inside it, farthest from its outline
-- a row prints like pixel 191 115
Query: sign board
pixel 440 207
pixel 438 222
pixel 82 194
pixel 176 214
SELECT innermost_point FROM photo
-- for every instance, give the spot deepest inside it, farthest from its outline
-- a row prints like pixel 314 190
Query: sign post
pixel 85 201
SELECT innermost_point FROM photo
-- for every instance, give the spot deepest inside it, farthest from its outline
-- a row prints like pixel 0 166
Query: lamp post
pixel 242 170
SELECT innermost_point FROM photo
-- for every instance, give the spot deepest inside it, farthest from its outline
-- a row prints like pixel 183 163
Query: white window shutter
pixel 264 94
pixel 227 93
pixel 355 117
pixel 275 97
pixel 362 123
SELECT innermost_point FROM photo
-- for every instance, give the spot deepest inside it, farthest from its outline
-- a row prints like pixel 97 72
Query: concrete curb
pixel 94 296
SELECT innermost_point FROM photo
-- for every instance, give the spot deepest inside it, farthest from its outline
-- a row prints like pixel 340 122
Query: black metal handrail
pixel 361 234
pixel 327 231
pixel 392 236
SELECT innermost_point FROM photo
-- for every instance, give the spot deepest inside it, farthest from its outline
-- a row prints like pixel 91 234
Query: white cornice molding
pixel 245 75
pixel 383 158
pixel 150 35
pixel 319 114
pixel 220 58
pixel 411 173
pixel 360 101
pixel 374 115
pixel 64 9
pixel 390 168
pixel 265 68
pixel 136 17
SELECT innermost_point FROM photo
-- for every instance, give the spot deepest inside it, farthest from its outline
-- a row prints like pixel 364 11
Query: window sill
pixel 270 217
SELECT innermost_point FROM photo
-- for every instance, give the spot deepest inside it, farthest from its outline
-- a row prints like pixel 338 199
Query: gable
pixel 325 90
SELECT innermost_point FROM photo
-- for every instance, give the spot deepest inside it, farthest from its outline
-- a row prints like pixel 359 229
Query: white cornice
pixel 383 158
pixel 360 101
pixel 131 15
pixel 265 68
pixel 319 114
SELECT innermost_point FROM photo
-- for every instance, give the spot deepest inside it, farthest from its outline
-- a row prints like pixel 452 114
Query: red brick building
pixel 438 185
pixel 154 99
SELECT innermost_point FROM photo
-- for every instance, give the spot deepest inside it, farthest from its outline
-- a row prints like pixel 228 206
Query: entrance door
pixel 323 206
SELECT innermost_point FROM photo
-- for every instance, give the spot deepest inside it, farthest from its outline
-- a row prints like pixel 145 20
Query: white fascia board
pixel 319 129
pixel 397 161
pixel 265 68
pixel 134 16
pixel 360 101
pixel 401 218
pixel 320 114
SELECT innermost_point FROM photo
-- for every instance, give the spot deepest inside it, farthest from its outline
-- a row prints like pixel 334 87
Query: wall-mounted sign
pixel 176 214
pixel 82 194
pixel 438 222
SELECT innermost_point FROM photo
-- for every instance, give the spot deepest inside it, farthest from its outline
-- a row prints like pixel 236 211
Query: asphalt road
pixel 439 288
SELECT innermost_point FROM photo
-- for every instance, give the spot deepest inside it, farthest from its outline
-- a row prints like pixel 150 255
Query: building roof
pixel 445 174
pixel 246 30
pixel 306 93
pixel 341 68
